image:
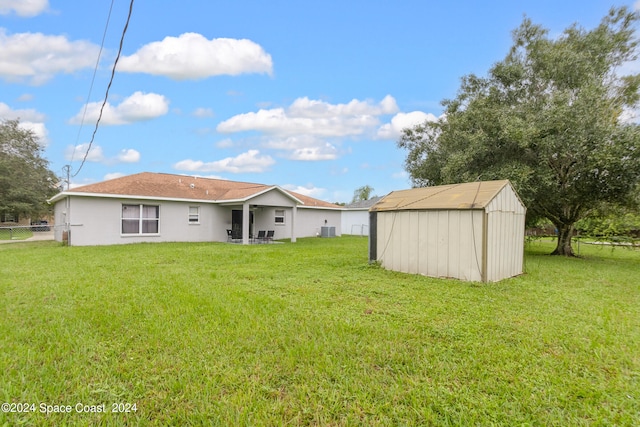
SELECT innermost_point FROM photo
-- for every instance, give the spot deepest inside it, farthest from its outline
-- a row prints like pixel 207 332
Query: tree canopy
pixel 554 117
pixel 25 179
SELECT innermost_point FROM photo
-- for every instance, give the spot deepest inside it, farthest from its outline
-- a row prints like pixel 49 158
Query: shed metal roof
pixel 470 195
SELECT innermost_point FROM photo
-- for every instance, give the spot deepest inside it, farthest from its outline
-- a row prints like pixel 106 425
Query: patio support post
pixel 245 223
pixel 293 223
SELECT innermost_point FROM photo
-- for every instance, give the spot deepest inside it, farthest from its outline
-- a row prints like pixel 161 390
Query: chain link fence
pixel 41 231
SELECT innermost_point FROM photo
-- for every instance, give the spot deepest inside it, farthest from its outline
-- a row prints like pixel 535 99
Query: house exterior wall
pixel 97 221
pixel 59 219
pixel 436 243
pixel 273 198
pixel 355 221
pixel 265 219
pixel 309 221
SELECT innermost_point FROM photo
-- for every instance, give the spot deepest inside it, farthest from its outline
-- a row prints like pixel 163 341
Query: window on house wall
pixel 194 214
pixel 8 217
pixel 140 219
pixel 279 217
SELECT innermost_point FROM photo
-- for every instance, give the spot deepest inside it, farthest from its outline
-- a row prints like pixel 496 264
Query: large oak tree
pixel 553 117
pixel 25 179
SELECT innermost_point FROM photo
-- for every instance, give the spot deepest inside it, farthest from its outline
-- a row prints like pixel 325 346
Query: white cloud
pixel 30 119
pixel 404 175
pixel 225 143
pixel 137 107
pixel 304 147
pixel 96 155
pixel 26 8
pixel 203 112
pixel 129 156
pixel 191 56
pixel 310 129
pixel 308 190
pixel 328 152
pixel 8 113
pixel 305 107
pixel 402 121
pixel 39 130
pixel 36 58
pixel 251 161
pixel 77 153
pixel 311 117
pixel 25 97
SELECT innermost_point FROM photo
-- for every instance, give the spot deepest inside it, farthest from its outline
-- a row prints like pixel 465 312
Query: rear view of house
pixel 472 231
pixel 158 207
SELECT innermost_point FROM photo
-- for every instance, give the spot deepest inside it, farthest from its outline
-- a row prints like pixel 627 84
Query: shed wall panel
pixel 454 248
pixel 505 251
pixel 433 254
pixel 443 243
pixel 506 201
pixel 435 243
pixel 401 258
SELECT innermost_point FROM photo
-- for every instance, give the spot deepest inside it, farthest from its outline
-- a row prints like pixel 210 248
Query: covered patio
pixel 273 212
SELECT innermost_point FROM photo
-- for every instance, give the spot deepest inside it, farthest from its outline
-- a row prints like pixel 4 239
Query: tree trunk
pixel 565 233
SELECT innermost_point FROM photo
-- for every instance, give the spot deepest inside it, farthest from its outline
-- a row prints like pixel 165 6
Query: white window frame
pixel 142 221
pixel 194 215
pixel 283 221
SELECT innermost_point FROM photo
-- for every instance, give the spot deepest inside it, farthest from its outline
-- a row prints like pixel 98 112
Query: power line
pixel 93 79
pixel 106 95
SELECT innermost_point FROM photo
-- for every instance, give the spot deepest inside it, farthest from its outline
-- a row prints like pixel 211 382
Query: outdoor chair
pixel 262 235
pixel 269 237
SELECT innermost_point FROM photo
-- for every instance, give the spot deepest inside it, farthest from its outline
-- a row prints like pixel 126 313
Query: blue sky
pixel 310 96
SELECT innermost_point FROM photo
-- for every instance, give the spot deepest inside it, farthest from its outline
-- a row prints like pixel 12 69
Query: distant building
pixel 355 217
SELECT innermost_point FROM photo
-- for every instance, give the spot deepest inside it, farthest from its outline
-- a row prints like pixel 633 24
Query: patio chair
pixel 262 235
pixel 269 237
pixel 229 235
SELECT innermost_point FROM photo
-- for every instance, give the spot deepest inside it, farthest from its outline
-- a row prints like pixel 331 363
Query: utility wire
pixel 106 95
pixel 93 79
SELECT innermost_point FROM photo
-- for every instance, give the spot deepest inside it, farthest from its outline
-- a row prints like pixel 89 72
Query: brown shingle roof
pixel 169 186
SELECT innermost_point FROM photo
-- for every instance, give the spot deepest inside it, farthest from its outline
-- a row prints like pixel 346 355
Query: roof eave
pixel 259 193
pixel 64 194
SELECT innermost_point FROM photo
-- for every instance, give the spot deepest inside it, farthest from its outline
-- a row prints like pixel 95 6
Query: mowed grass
pixel 311 334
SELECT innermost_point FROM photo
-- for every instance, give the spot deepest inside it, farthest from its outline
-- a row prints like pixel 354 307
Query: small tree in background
pixel 362 193
pixel 552 117
pixel 25 179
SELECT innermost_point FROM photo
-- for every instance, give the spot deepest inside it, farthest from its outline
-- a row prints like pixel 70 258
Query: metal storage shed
pixel 472 231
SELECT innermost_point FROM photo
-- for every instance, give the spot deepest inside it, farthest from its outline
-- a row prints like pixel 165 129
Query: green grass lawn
pixel 18 233
pixel 311 334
